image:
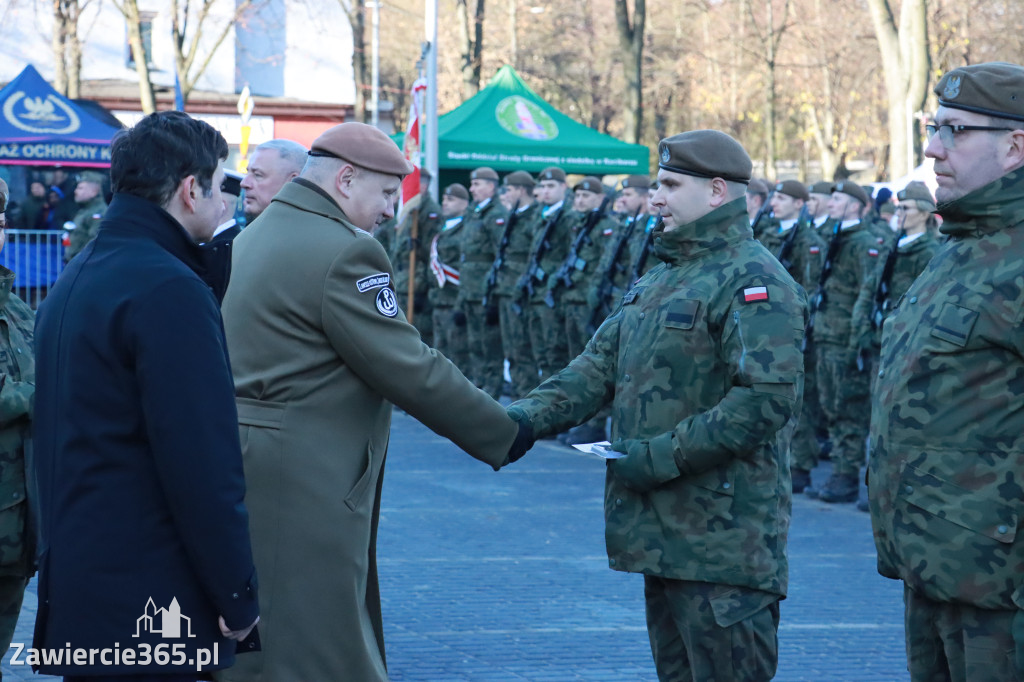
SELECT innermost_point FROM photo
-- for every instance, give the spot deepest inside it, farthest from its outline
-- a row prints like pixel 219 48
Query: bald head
pixel 272 164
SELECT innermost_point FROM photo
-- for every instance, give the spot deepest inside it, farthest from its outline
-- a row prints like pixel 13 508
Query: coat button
pixel 913 299
pixel 881 373
pixel 627 378
pixel 611 562
pixel 618 503
pixel 1002 530
pixel 643 315
pixel 908 489
pixel 234 596
pixel 726 485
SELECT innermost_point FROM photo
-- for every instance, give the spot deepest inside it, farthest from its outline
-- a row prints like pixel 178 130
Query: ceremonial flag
pixel 412 148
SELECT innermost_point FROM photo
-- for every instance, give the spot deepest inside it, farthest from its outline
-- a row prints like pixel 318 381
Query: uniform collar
pixel 987 209
pixel 721 227
pixel 6 283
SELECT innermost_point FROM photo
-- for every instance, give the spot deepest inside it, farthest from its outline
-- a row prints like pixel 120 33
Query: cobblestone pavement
pixel 503 576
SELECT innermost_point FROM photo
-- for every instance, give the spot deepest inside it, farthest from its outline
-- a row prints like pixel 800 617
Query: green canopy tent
pixel 508 127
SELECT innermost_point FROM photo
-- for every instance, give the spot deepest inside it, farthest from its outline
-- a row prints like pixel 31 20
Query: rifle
pixel 607 282
pixel 645 251
pixel 819 294
pixel 765 208
pixel 524 287
pixel 563 276
pixel 881 302
pixel 499 259
pixel 786 248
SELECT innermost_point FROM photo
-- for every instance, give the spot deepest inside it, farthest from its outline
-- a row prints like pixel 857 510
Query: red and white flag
pixel 411 147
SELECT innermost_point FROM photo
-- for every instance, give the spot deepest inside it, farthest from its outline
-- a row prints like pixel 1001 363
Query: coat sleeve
pixel 188 402
pixel 371 335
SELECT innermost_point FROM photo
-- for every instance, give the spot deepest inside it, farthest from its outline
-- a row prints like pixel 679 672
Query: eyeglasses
pixel 948 134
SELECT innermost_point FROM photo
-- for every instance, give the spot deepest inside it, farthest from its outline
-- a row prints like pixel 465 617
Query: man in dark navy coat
pixel 144 554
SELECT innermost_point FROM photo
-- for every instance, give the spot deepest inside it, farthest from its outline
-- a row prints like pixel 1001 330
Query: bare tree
pixel 355 11
pixel 67 47
pixel 770 37
pixel 471 45
pixel 130 10
pixel 631 42
pixel 189 63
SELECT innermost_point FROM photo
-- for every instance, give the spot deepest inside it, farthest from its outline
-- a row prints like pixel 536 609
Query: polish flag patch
pixel 873 253
pixel 754 294
pixel 815 249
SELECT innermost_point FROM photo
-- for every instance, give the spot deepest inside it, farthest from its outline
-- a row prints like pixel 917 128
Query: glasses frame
pixel 948 132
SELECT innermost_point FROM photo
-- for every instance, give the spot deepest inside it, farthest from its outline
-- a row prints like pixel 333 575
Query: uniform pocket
pixel 955 324
pixel 978 513
pixel 681 314
pixel 356 496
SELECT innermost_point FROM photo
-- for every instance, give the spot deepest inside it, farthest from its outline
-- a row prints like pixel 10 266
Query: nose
pixel 935 149
pixel 389 211
pixel 246 183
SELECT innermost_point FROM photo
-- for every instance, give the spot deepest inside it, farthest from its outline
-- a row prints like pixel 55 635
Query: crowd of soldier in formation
pixel 522 269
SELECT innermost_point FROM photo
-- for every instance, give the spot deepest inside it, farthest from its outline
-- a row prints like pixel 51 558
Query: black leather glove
pixel 459 318
pixel 491 315
pixel 524 439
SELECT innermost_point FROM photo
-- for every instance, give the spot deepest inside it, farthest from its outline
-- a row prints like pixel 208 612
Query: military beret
pixel 520 179
pixel 362 145
pixel 821 187
pixel 886 208
pixel 992 89
pixel 705 154
pixel 589 184
pixel 756 186
pixel 4 195
pixel 852 189
pixel 92 176
pixel 916 191
pixel 457 190
pixel 425 174
pixel 639 182
pixel 793 189
pixel 552 173
pixel 484 173
pixel 232 182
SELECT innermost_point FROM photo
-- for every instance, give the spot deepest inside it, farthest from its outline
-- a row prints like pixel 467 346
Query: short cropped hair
pixel 150 159
pixel 293 153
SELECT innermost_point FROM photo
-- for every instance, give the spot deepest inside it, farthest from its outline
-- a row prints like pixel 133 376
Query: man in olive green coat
pixel 91 207
pixel 702 366
pixel 318 360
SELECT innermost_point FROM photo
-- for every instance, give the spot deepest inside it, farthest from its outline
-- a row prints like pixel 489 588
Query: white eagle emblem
pixel 665 155
pixel 952 88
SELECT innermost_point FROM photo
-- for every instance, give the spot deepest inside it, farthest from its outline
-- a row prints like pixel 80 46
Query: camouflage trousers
pixel 450 339
pixel 486 358
pixel 805 448
pixel 700 631
pixel 547 337
pixel 522 368
pixel 12 590
pixel 949 642
pixel 844 392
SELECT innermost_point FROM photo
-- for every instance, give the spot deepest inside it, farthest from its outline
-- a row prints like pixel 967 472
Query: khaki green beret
pixel 457 190
pixel 552 173
pixel 821 187
pixel 92 176
pixel 793 189
pixel 638 182
pixel 852 189
pixel 992 89
pixel 520 179
pixel 887 208
pixel 4 195
pixel 484 173
pixel 916 191
pixel 756 186
pixel 589 184
pixel 362 145
pixel 705 154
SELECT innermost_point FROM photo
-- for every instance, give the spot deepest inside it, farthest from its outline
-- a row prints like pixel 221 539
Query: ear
pixel 718 192
pixel 344 179
pixel 189 191
pixel 1014 157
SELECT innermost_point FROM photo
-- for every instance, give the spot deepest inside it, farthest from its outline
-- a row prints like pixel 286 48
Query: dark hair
pixel 150 159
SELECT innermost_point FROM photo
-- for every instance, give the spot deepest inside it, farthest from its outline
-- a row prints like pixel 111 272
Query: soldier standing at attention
pixel 445 249
pixel 618 259
pixel 946 431
pixel 756 196
pixel 702 366
pixel 518 195
pixel 817 206
pixel 843 384
pixel 91 207
pixel 428 218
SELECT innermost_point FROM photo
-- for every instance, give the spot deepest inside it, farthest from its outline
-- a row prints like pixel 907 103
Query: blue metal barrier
pixel 36 257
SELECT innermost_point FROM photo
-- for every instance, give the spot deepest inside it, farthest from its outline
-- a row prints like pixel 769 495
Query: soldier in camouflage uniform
pixel 445 250
pixel 819 195
pixel 843 384
pixel 427 214
pixel 757 198
pixel 481 232
pixel 702 366
pixel 17 391
pixel 544 324
pixel 518 195
pixel 91 207
pixel 385 234
pixel 947 434
pixel 793 241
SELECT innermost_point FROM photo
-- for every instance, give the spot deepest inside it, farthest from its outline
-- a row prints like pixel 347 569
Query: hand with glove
pixel 647 464
pixel 524 437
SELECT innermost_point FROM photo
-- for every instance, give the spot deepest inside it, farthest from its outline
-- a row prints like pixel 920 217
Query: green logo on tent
pixel 522 117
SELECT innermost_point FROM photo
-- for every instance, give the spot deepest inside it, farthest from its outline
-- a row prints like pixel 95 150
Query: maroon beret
pixel 362 145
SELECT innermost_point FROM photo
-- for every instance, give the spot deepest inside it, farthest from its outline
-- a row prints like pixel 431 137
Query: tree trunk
pixel 147 98
pixel 58 43
pixel 631 42
pixel 359 69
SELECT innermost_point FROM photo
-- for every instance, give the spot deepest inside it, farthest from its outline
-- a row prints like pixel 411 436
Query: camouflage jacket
pixel 517 253
pixel 702 359
pixel 946 482
pixel 17 365
pixel 585 272
pixel 854 263
pixel 87 224
pixel 803 254
pixel 428 224
pixel 620 266
pixel 385 234
pixel 448 243
pixel 557 246
pixel 911 260
pixel 481 232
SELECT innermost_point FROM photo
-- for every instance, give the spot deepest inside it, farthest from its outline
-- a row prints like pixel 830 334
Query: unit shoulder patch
pixel 381 279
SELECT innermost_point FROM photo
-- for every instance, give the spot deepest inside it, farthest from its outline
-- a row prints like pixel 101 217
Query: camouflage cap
pixel 484 173
pixel 457 190
pixel 589 184
pixel 992 89
pixel 638 182
pixel 705 154
pixel 362 145
pixel 4 195
pixel 793 189
pixel 552 173
pixel 917 191
pixel 756 186
pixel 821 187
pixel 852 189
pixel 520 179
pixel 92 176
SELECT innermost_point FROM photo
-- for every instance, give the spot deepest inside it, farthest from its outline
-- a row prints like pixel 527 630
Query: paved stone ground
pixel 503 577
